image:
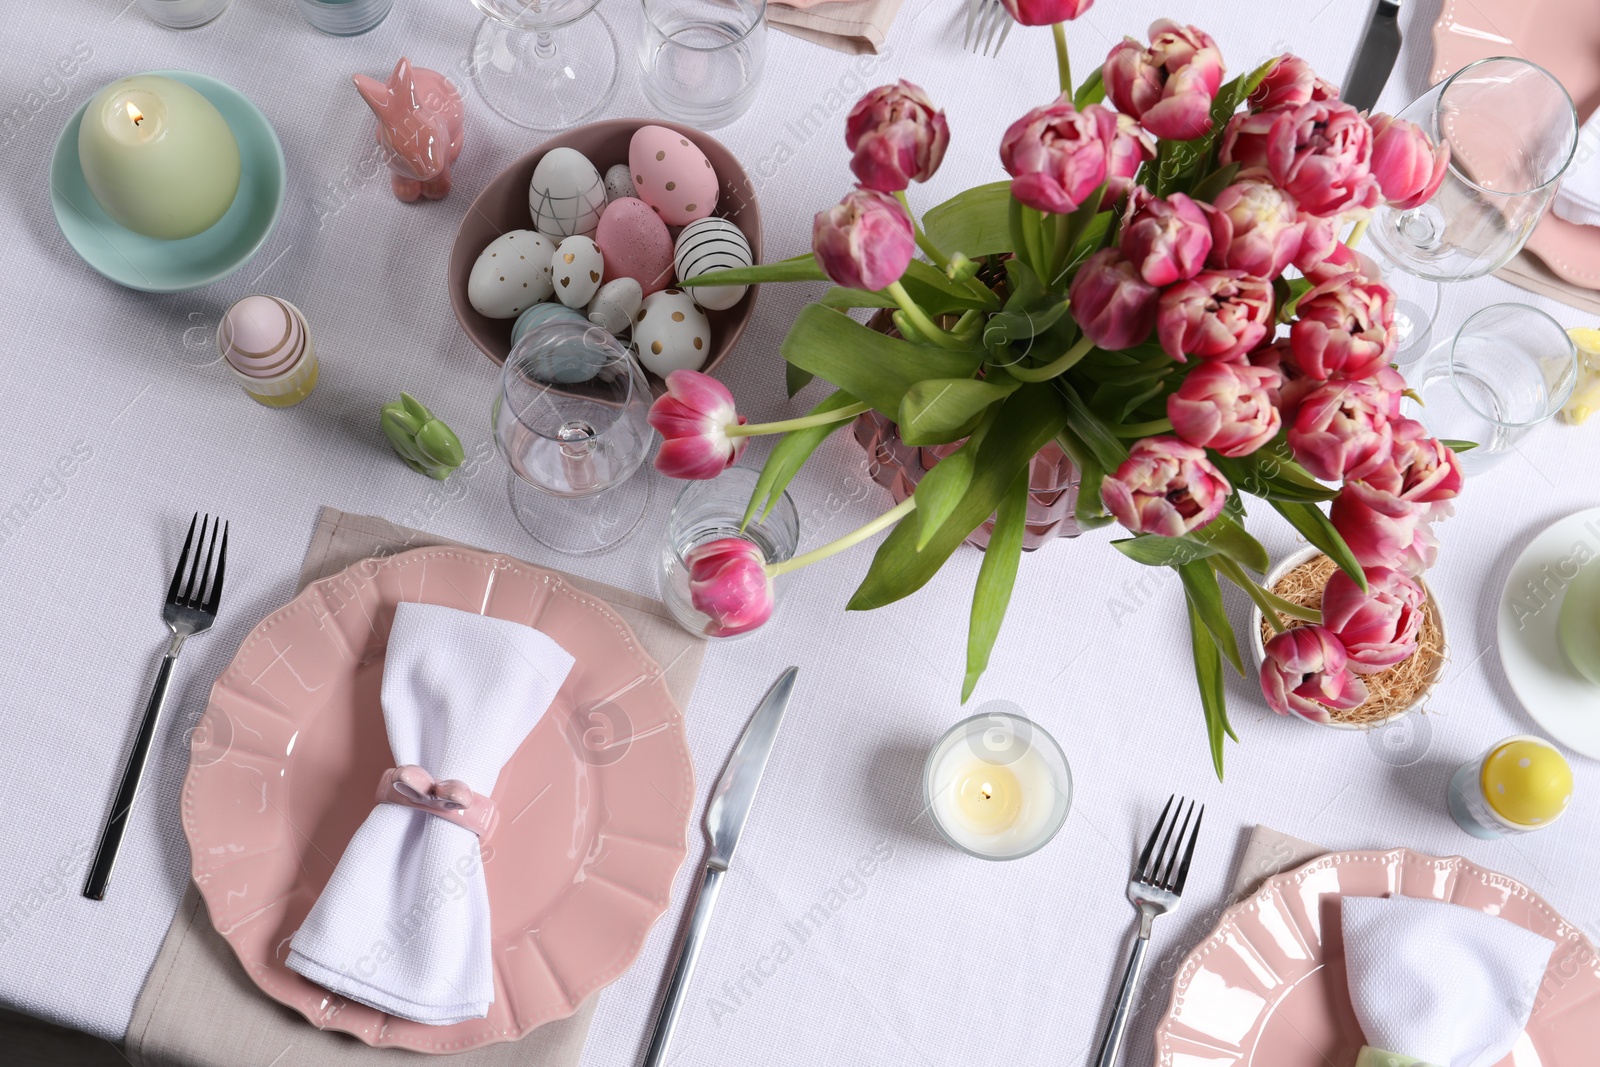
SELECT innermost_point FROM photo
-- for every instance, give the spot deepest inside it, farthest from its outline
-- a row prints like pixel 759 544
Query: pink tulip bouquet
pixel 1160 289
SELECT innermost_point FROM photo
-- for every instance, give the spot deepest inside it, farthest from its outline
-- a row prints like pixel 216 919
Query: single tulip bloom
pixel 1226 407
pixel 1341 430
pixel 896 136
pixel 1166 240
pixel 1131 146
pixel 1421 469
pixel 728 582
pixel 866 241
pixel 1293 384
pixel 1114 307
pixel 1344 327
pixel 1407 165
pixel 1169 85
pixel 1217 314
pixel 1379 527
pixel 692 417
pixel 1421 553
pixel 1165 486
pixel 1320 153
pixel 1305 673
pixel 1255 227
pixel 1290 83
pixel 1056 155
pixel 1045 12
pixel 1378 628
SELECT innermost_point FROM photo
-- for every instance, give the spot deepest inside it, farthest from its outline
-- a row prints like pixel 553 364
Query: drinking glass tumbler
pixel 570 418
pixel 713 509
pixel 544 64
pixel 183 14
pixel 702 59
pixel 1509 368
pixel 345 18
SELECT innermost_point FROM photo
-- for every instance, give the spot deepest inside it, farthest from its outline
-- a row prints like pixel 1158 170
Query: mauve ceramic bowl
pixel 503 206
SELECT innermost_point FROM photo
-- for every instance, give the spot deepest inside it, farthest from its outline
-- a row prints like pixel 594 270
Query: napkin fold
pixel 403 923
pixel 855 27
pixel 1438 983
pixel 1578 199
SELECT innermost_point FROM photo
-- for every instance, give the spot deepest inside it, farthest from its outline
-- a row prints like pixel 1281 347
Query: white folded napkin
pixel 1439 984
pixel 403 924
pixel 1578 199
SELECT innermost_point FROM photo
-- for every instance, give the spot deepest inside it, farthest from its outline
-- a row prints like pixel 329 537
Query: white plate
pixel 1555 694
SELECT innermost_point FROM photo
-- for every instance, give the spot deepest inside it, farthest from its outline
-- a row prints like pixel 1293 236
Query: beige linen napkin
pixel 1526 271
pixel 855 27
pixel 1269 852
pixel 199 1008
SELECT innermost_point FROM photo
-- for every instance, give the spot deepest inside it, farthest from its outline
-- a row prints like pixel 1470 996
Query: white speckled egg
pixel 616 305
pixel 672 175
pixel 707 245
pixel 619 182
pixel 672 334
pixel 576 268
pixel 510 275
pixel 566 195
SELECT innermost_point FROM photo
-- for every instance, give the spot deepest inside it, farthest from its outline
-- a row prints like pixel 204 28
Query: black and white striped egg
pixel 706 245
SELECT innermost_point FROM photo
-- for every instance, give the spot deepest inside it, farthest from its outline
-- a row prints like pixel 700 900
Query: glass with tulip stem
pixel 1508 368
pixel 700 60
pixel 708 510
pixel 543 64
pixel 570 418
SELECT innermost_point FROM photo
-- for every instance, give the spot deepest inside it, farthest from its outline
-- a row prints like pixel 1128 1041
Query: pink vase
pixel 898 467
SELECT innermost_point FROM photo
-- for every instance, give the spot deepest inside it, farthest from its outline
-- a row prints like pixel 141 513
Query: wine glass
pixel 541 64
pixel 570 418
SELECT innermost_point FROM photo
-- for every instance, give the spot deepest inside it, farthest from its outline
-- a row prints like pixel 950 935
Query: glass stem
pixel 849 540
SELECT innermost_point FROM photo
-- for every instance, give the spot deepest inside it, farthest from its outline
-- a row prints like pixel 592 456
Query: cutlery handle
pixel 678 984
pixel 105 857
pixel 1119 1015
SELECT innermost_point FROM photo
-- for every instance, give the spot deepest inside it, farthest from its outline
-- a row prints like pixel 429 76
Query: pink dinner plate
pixel 1268 987
pixel 1563 37
pixel 594 805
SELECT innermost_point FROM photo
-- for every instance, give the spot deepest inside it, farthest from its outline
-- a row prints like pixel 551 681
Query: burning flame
pixel 134 114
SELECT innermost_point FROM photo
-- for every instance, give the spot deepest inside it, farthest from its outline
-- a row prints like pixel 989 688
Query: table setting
pixel 704 543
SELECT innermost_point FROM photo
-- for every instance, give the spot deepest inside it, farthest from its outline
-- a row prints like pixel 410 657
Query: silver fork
pixel 992 23
pixel 190 609
pixel 1153 891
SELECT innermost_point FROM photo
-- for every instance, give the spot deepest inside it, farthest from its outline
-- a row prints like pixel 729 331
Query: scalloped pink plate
pixel 594 804
pixel 1267 988
pixel 1563 37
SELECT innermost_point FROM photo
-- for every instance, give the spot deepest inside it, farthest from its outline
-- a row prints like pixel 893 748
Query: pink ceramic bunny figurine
pixel 419 126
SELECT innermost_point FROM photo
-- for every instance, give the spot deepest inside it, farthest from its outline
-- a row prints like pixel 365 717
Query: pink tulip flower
pixel 1290 83
pixel 728 581
pixel 1166 240
pixel 1292 383
pixel 1131 146
pixel 1217 314
pixel 866 241
pixel 1165 486
pixel 1344 327
pixel 692 417
pixel 1168 86
pixel 1255 228
pixel 1320 153
pixel 1115 308
pixel 1227 407
pixel 1341 430
pixel 1377 628
pixel 1046 12
pixel 1407 165
pixel 1422 470
pixel 1421 553
pixel 1056 154
pixel 1380 528
pixel 1305 673
pixel 897 137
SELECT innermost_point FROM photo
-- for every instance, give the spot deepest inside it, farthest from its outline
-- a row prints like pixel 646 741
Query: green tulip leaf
pixel 1225 534
pixel 974 222
pixel 1458 446
pixel 946 483
pixel 1208 677
pixel 841 297
pixel 1091 430
pixel 1154 550
pixel 1092 91
pixel 1205 598
pixel 795 379
pixel 801 268
pixel 937 410
pixel 1212 184
pixel 869 365
pixel 1315 527
pixel 997 575
pixel 790 454
pixel 1006 327
pixel 1272 474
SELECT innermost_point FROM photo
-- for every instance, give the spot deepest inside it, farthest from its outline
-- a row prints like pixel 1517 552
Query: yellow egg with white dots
pixel 1527 782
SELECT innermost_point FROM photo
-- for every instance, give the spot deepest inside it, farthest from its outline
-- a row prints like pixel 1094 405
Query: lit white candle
pixel 998 786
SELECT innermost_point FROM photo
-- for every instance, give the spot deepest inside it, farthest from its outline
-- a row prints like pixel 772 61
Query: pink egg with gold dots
pixel 635 244
pixel 672 175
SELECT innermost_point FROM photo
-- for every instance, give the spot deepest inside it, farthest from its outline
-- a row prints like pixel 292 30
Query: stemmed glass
pixel 570 418
pixel 541 64
pixel 1512 132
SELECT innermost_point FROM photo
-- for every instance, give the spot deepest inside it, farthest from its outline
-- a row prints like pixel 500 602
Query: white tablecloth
pixel 847 932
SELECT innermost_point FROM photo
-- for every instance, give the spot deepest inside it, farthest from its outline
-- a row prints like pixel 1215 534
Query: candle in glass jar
pixel 159 158
pixel 998 786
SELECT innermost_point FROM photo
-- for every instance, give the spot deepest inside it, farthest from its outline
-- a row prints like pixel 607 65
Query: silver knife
pixel 725 815
pixel 1375 58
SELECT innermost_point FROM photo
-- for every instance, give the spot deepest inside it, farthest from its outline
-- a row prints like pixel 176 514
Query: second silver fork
pixel 992 23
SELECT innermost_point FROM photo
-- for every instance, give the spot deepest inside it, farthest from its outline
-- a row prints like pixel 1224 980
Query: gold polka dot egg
pixel 511 275
pixel 671 333
pixel 672 175
pixel 577 268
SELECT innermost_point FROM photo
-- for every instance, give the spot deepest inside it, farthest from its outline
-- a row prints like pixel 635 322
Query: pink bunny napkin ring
pixel 412 786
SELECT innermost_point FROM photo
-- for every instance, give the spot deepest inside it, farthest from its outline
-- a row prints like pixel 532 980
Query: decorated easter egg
pixel 635 244
pixel 672 175
pixel 672 334
pixel 560 346
pixel 512 273
pixel 540 314
pixel 616 305
pixel 707 245
pixel 576 267
pixel 262 337
pixel 619 182
pixel 566 195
